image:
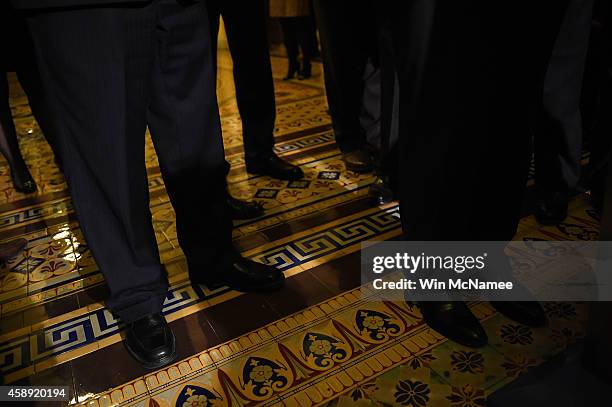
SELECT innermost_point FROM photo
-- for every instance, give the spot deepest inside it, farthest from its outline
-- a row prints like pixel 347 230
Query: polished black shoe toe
pixel 292 70
pixel 247 276
pixel 528 313
pixel 380 192
pixel 551 212
pixel 242 210
pixel 275 167
pixel 455 321
pixel 150 341
pixel 306 71
pixel 23 182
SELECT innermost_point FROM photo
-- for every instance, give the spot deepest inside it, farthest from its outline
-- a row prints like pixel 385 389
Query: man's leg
pixel 238 209
pixel 245 26
pixel 303 30
pixel 465 126
pixel 184 121
pixel 558 138
pixel 384 188
pixel 464 143
pixel 601 84
pixel 94 64
pixel 348 38
pixel 290 39
pixel 433 180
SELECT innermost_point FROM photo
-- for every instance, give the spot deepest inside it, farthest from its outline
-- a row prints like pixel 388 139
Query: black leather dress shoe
pixel 241 210
pixel 380 192
pixel 23 181
pixel 275 167
pixel 455 321
pixel 551 212
pixel 245 275
pixel 528 313
pixel 359 161
pixel 150 341
pixel 306 71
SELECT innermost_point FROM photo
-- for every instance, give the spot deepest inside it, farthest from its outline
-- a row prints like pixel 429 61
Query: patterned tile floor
pixel 321 340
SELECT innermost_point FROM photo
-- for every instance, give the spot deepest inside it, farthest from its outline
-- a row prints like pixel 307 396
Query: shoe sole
pixel 150 365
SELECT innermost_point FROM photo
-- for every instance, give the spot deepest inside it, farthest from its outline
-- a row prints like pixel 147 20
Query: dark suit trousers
pixel 348 39
pixel 245 27
pixel 558 135
pixel 599 90
pixel 468 91
pixel 109 72
pixel 298 33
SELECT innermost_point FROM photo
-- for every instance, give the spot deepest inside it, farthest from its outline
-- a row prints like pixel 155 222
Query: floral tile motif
pixel 302 184
pixel 317 348
pixel 194 395
pixel 331 175
pixel 266 193
pixel 511 338
pixel 459 365
pixel 452 375
pixel 205 390
pixel 256 377
pixel 415 387
pixel 310 356
pixel 352 350
pixel 45 259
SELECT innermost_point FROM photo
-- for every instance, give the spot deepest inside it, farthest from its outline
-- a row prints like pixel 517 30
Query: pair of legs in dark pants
pixel 558 135
pixel 109 73
pixel 298 34
pixel 245 27
pixel 598 87
pixel 470 83
pixel 348 34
